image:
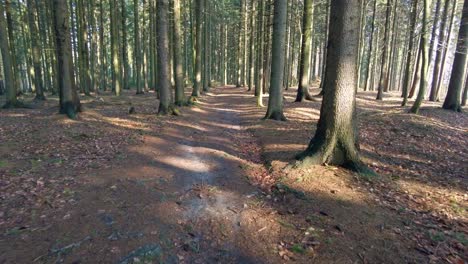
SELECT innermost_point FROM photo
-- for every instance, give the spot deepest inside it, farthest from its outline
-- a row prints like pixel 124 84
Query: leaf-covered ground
pixel 210 186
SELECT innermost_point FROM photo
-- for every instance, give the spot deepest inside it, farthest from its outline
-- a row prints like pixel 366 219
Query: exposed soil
pixel 210 186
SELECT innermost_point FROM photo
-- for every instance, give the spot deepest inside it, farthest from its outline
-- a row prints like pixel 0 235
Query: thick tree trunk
pixel 275 101
pixel 165 104
pixel 335 140
pixel 452 100
pixel 9 81
pixel 304 65
pixel 69 101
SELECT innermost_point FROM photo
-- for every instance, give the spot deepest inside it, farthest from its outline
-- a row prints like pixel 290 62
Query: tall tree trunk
pixel 442 50
pixel 452 100
pixel 336 138
pixel 116 68
pixel 425 57
pixel 137 51
pixel 383 82
pixel 126 66
pixel 260 39
pixel 165 105
pixel 407 76
pixel 240 49
pixel 275 101
pixel 178 70
pixel 251 45
pixel 304 65
pixel 9 82
pixel 198 48
pixel 10 26
pixel 366 75
pixel 69 101
pixel 36 51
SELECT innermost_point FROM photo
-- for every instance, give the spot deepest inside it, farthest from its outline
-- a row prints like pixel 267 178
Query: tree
pixel 425 57
pixel 198 49
pixel 36 51
pixel 165 105
pixel 178 69
pixel 11 100
pixel 137 50
pixel 407 75
pixel 116 68
pixel 275 101
pixel 69 101
pixel 304 71
pixel 452 100
pixel 336 138
pixel 383 82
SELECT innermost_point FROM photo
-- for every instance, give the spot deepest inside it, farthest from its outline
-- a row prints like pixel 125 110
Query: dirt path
pixel 181 196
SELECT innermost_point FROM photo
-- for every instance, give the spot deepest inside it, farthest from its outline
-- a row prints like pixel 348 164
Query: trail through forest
pixel 210 186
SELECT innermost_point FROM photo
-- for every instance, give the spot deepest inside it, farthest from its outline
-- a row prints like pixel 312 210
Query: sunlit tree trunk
pixel 304 71
pixel 424 57
pixel 452 100
pixel 335 140
pixel 383 82
pixel 275 100
pixel 407 77
pixel 260 69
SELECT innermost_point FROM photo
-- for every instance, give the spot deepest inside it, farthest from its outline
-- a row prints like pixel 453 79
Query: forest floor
pixel 210 186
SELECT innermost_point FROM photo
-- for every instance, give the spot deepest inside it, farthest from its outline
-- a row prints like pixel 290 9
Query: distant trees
pixel 114 45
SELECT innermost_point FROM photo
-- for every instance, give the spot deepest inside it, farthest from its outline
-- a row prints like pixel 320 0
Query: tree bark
pixel 452 100
pixel 9 83
pixel 424 58
pixel 275 101
pixel 198 48
pixel 336 138
pixel 165 104
pixel 178 69
pixel 69 101
pixel 304 65
pixel 36 51
pixel 383 82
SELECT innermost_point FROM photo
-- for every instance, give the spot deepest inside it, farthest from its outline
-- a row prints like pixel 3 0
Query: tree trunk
pixel 198 48
pixel 407 77
pixel 69 101
pixel 439 63
pixel 335 140
pixel 369 54
pixel 36 51
pixel 9 81
pixel 452 100
pixel 304 65
pixel 260 36
pixel 275 101
pixel 165 105
pixel 178 70
pixel 424 56
pixel 116 69
pixel 383 82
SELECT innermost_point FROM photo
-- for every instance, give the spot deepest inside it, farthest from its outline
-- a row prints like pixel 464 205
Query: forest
pixel 233 131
